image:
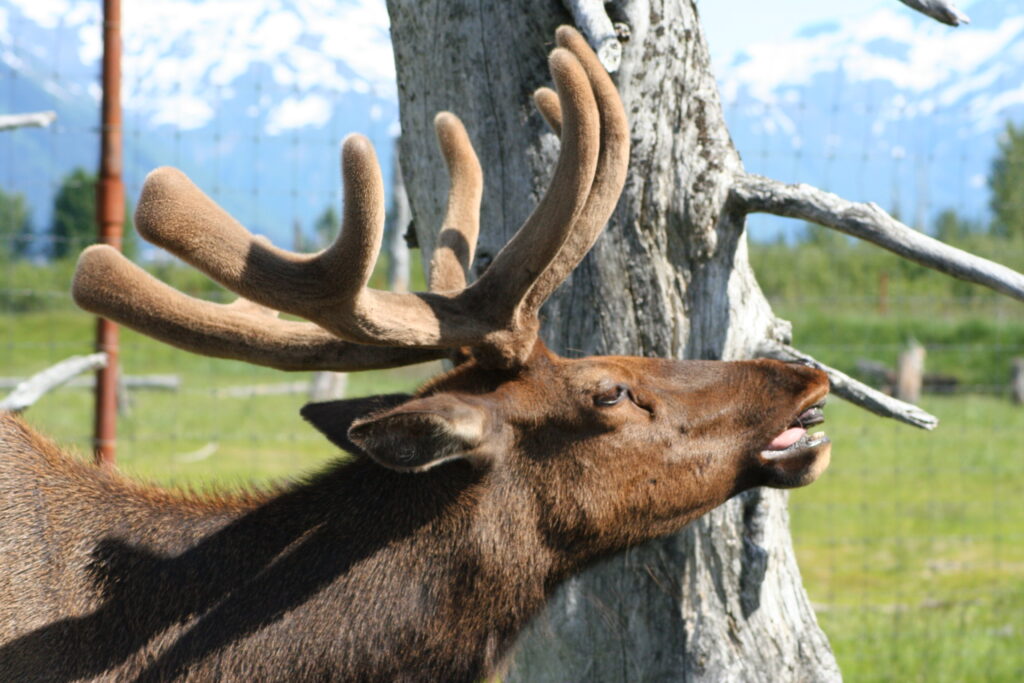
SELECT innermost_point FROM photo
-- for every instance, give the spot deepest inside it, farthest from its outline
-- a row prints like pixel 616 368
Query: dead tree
pixel 670 277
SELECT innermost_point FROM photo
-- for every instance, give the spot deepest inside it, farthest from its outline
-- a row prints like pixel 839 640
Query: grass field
pixel 911 545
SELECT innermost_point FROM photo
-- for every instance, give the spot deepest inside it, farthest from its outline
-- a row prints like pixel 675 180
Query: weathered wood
pixel 884 378
pixel 853 391
pixel 32 389
pixel 275 389
pixel 871 223
pixel 399 217
pixel 198 455
pixel 40 119
pixel 591 18
pixel 939 10
pixel 134 382
pixel 328 386
pixel 910 373
pixel 670 277
pixel 1017 381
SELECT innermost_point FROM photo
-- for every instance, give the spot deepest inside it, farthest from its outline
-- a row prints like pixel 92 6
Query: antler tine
pixel 108 284
pixel 456 242
pixel 546 101
pixel 176 215
pixel 611 167
pixel 537 242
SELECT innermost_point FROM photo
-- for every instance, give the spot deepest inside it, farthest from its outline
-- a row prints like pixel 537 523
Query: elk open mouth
pixel 795 440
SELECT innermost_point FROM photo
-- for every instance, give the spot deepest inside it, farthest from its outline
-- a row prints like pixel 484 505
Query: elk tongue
pixel 786 438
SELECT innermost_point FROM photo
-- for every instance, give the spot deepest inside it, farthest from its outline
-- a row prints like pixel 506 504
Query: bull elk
pixel 464 505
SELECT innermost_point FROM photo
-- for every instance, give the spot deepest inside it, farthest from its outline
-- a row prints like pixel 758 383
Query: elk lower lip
pixel 801 446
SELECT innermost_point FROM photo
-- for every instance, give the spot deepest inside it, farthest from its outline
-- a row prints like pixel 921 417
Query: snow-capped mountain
pixel 891 107
pixel 252 97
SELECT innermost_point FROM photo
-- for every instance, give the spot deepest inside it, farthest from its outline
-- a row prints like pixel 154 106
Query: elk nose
pixel 809 371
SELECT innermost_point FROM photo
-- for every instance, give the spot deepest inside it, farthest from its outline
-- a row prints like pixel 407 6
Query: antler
pixel 356 326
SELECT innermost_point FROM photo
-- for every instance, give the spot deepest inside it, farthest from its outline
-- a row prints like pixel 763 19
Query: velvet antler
pixel 356 326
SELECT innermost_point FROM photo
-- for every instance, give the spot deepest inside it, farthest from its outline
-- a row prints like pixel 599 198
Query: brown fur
pixel 366 573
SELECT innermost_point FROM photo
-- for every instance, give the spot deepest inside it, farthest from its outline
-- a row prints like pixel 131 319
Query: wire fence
pixel 911 546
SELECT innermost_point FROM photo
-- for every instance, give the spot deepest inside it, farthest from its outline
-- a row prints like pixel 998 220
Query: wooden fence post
pixel 1017 381
pixel 328 386
pixel 910 373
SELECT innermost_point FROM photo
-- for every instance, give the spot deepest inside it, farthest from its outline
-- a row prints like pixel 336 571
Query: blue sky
pixel 732 24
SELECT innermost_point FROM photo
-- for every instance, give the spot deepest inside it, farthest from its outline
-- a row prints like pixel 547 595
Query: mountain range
pixel 252 98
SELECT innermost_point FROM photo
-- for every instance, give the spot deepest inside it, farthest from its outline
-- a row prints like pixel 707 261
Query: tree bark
pixel 398 219
pixel 722 600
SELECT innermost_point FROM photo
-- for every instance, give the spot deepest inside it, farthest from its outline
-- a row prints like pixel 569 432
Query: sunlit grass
pixel 911 545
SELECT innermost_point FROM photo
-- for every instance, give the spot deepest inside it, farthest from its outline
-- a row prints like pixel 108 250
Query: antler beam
pixel 108 284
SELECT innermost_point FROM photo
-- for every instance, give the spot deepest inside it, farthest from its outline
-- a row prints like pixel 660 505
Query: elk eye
pixel 611 396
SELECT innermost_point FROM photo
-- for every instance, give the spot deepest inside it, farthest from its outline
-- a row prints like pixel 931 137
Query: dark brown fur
pixel 364 573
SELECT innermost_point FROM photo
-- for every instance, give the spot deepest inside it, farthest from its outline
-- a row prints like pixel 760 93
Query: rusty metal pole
pixel 110 216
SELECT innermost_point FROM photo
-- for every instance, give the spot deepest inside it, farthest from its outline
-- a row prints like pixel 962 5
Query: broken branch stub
pixel 869 222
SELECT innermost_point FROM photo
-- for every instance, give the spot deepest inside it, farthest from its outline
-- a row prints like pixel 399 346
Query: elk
pixel 463 505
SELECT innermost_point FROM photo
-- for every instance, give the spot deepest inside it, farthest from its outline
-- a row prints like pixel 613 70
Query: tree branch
pixel 40 119
pixel 592 20
pixel 853 391
pixel 939 10
pixel 33 388
pixel 870 222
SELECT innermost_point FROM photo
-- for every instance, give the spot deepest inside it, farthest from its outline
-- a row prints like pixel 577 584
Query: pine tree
pixel 15 226
pixel 74 217
pixel 1007 184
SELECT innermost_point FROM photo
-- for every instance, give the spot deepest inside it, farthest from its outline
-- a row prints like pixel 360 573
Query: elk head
pixel 613 449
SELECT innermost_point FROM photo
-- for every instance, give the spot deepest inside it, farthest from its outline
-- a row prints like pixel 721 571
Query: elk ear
pixel 333 418
pixel 423 433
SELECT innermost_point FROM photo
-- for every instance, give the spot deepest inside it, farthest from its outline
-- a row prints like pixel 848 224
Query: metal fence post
pixel 110 216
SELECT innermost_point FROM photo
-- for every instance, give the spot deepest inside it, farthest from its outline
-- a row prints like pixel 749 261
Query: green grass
pixel 975 345
pixel 911 545
pixel 256 440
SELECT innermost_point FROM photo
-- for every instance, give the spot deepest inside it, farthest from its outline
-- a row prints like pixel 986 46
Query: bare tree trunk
pixel 723 599
pixel 399 217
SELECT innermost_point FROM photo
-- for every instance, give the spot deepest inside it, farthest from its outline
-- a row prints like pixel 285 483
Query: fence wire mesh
pixel 911 545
